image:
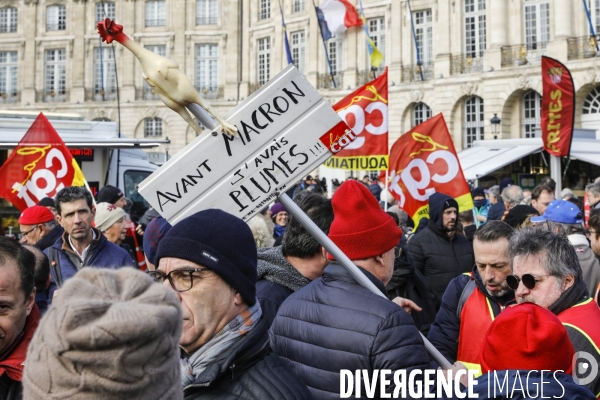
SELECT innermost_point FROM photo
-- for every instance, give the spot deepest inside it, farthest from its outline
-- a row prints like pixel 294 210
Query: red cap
pixel 526 337
pixel 360 228
pixel 35 215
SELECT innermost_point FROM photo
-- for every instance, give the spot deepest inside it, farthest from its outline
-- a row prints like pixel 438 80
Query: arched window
pixel 530 120
pixel 421 113
pixel 591 104
pixel 153 127
pixel 473 122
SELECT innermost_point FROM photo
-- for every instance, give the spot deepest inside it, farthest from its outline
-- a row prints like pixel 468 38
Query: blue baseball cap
pixel 561 211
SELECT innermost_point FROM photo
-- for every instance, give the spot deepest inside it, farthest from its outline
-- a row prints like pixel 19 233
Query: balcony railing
pixel 412 72
pixel 10 98
pixel 465 64
pixel 324 81
pixel 51 96
pixel 583 47
pixel 8 28
pixel 101 94
pixel 210 92
pixel 156 22
pixel 523 54
pixel 206 20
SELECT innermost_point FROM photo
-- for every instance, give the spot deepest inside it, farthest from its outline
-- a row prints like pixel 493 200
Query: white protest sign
pixel 286 129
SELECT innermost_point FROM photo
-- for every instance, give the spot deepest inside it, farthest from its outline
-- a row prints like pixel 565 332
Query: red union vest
pixel 476 317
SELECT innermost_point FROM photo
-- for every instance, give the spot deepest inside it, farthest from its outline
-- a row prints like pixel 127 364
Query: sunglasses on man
pixel 529 281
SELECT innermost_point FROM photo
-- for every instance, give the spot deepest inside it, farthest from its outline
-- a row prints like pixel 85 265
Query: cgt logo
pixel 585 368
pixel 339 138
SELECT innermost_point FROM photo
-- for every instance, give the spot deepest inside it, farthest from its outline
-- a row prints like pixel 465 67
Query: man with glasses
pixel 564 218
pixel 474 299
pixel 38 227
pixel 546 272
pixel 209 259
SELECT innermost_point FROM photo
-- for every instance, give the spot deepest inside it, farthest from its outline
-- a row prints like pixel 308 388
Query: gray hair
pixel 513 195
pixel 560 257
pixel 566 229
pixel 494 191
pixel 594 188
pixel 567 193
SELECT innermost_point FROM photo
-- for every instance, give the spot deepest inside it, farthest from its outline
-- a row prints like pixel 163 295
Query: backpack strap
pixel 467 291
pixel 55 271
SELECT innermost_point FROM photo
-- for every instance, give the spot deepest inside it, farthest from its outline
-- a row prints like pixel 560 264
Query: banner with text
pixel 285 130
pixel 366 112
pixel 558 107
pixel 39 167
pixel 423 161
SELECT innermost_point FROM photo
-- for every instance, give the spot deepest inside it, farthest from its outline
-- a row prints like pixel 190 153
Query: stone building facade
pixel 478 58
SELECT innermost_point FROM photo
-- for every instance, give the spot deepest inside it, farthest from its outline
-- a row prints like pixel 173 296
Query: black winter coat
pixel 248 371
pixel 439 259
pixel 445 330
pixel 333 323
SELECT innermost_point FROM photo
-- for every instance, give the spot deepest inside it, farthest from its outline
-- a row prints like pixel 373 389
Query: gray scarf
pixel 273 267
pixel 193 366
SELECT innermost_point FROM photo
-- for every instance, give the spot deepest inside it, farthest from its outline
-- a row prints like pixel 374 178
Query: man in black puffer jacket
pixel 333 323
pixel 438 252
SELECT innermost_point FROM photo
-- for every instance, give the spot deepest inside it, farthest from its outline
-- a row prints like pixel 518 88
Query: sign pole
pixel 358 276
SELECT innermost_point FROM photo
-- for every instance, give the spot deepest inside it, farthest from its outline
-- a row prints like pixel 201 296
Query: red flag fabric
pixel 423 161
pixel 558 107
pixel 351 18
pixel 39 167
pixel 365 111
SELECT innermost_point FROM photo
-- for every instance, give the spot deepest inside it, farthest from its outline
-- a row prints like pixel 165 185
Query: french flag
pixel 335 16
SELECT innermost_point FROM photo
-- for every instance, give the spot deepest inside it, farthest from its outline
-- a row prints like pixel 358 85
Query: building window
pixel 474 28
pixel 537 24
pixel 156 13
pixel 8 73
pixel 108 11
pixel 105 80
pixel 424 33
pixel 55 79
pixel 153 127
pixel 206 12
pixel 335 53
pixel 264 60
pixel 297 6
pixel 8 19
pixel 297 48
pixel 530 121
pixel 161 50
pixel 421 113
pixel 596 11
pixel 264 9
pixel 56 18
pixel 377 33
pixel 473 122
pixel 591 104
pixel 207 63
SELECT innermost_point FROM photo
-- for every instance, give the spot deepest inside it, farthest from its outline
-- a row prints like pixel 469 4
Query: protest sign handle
pixel 324 241
pixel 202 115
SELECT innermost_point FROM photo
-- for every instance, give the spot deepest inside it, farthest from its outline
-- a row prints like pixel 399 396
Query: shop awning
pixel 586 150
pixel 487 156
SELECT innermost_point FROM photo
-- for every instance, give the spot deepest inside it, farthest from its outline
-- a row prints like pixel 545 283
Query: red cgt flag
pixel 39 167
pixel 365 111
pixel 423 161
pixel 558 107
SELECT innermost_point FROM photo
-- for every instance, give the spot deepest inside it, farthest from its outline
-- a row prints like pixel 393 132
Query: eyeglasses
pixel 529 281
pixel 181 280
pixel 29 231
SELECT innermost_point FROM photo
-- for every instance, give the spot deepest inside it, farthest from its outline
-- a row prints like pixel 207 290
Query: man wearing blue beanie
pixel 209 259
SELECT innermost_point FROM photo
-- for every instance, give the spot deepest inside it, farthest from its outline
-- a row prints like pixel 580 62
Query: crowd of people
pixel 260 310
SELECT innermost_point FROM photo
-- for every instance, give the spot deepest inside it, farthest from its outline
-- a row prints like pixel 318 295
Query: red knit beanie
pixel 526 337
pixel 35 215
pixel 360 228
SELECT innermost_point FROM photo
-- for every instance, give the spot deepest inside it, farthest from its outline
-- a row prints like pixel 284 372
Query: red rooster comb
pixel 109 30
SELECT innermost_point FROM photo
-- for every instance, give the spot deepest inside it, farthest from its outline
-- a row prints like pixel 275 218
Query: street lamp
pixel 495 121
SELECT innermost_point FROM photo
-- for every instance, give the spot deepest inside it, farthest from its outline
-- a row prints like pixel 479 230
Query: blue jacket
pixel 102 254
pixel 483 211
pixel 496 211
pixel 333 323
pixel 518 385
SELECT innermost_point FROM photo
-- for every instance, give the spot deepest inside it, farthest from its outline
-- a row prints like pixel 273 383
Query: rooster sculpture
pixel 164 77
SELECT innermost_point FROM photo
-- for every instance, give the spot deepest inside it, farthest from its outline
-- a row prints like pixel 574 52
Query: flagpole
pixel 290 60
pixel 412 23
pixel 589 18
pixel 324 46
pixel 370 47
pixel 386 190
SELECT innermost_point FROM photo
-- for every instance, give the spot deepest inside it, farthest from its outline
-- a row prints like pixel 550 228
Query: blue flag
pixel 288 53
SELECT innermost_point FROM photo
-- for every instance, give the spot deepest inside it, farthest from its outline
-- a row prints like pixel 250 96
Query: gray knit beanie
pixel 109 334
